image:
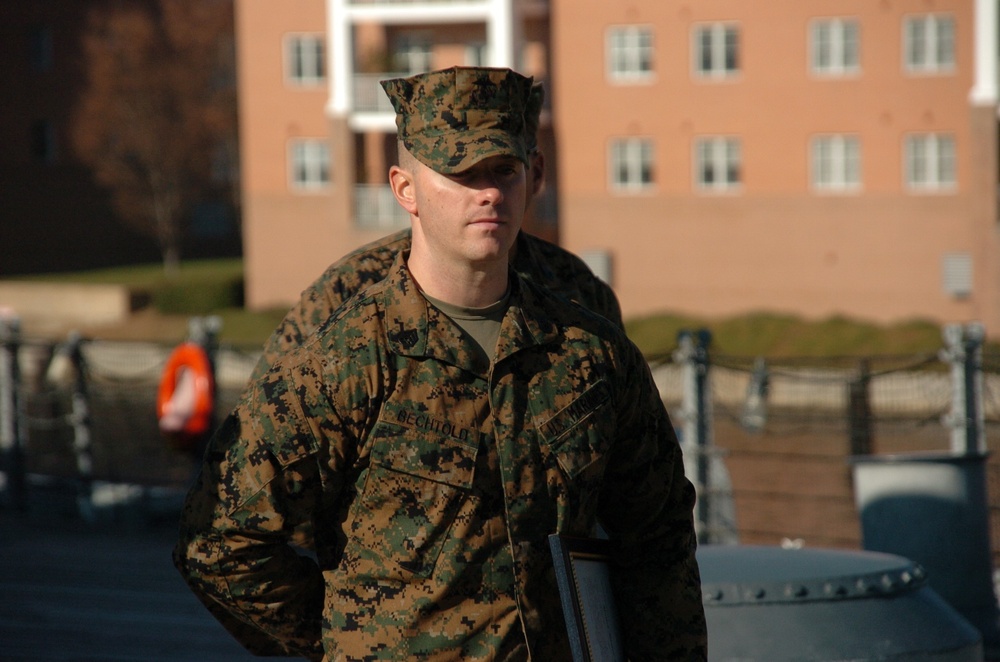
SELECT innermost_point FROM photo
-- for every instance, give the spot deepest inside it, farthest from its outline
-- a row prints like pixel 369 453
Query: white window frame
pixel 835 46
pixel 718 50
pixel 305 59
pixel 308 164
pixel 930 162
pixel 723 154
pixel 631 165
pixel 835 162
pixel 929 43
pixel 629 53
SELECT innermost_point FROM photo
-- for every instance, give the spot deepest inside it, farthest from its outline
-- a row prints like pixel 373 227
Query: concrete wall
pixel 60 305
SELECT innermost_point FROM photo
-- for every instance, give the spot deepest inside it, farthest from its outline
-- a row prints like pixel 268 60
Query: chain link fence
pixel 783 432
pixel 783 436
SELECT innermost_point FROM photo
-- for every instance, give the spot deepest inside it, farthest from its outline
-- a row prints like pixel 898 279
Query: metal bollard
pixel 14 485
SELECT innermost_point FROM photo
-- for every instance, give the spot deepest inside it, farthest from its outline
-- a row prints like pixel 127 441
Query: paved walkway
pixel 103 592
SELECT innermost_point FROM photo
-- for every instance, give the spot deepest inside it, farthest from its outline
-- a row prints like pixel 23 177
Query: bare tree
pixel 158 111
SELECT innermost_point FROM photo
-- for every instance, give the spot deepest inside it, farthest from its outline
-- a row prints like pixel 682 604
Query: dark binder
pixel 584 579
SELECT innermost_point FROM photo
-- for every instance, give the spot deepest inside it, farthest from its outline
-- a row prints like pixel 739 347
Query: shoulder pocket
pixel 580 434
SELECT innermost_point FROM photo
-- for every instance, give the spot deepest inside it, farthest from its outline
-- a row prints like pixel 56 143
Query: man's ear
pixel 536 174
pixel 401 183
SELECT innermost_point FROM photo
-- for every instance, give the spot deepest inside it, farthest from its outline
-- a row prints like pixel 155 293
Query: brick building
pixel 711 158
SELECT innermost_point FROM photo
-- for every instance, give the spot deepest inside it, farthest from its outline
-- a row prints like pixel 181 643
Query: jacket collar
pixel 416 328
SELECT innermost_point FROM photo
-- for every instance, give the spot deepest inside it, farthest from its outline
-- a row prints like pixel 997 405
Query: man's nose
pixel 490 190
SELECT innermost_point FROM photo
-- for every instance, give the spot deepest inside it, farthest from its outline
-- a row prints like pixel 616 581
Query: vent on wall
pixel 956 275
pixel 599 262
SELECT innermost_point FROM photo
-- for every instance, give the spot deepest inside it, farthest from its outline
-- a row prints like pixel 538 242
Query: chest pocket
pixel 417 480
pixel 580 434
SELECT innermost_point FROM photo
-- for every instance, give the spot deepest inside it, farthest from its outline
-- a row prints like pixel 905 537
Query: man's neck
pixel 466 285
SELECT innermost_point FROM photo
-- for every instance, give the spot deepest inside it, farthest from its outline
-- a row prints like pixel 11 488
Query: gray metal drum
pixel 773 604
pixel 933 508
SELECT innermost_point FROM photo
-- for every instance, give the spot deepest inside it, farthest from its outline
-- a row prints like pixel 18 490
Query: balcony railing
pixel 376 209
pixel 369 97
pixel 412 2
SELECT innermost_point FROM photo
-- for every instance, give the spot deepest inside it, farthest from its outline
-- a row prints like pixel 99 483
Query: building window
pixel 956 275
pixel 306 59
pixel 835 46
pixel 631 164
pixel 930 162
pixel 310 162
pixel 716 50
pixel 477 54
pixel 718 163
pixel 414 54
pixel 929 43
pixel 836 163
pixel 629 53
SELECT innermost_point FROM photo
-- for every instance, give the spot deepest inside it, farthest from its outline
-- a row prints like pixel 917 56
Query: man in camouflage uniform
pixel 535 259
pixel 437 429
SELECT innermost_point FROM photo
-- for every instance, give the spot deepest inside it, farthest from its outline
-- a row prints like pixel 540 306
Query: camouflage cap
pixel 453 118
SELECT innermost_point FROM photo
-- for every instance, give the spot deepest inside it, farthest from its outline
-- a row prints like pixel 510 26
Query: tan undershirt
pixel 483 324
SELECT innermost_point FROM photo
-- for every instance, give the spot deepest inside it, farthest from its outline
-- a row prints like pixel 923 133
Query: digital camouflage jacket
pixel 432 484
pixel 535 259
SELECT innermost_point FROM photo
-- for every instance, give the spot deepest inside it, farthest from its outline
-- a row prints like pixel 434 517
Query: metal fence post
pixel 754 416
pixel 963 351
pixel 205 331
pixel 972 374
pixel 11 414
pixel 859 411
pixel 79 418
pixel 696 420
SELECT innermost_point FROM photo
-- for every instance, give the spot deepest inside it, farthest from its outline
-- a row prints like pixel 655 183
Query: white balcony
pixel 371 109
pixel 413 2
pixel 531 7
pixel 416 12
pixel 369 97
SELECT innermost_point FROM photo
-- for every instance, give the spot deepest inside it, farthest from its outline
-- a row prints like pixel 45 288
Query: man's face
pixel 472 216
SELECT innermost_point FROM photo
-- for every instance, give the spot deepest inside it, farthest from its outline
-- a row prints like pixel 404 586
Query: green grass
pixel 215 287
pixel 244 327
pixel 786 336
pixel 150 276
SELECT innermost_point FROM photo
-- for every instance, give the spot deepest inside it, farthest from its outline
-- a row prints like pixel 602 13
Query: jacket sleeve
pixel 259 480
pixel 647 507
